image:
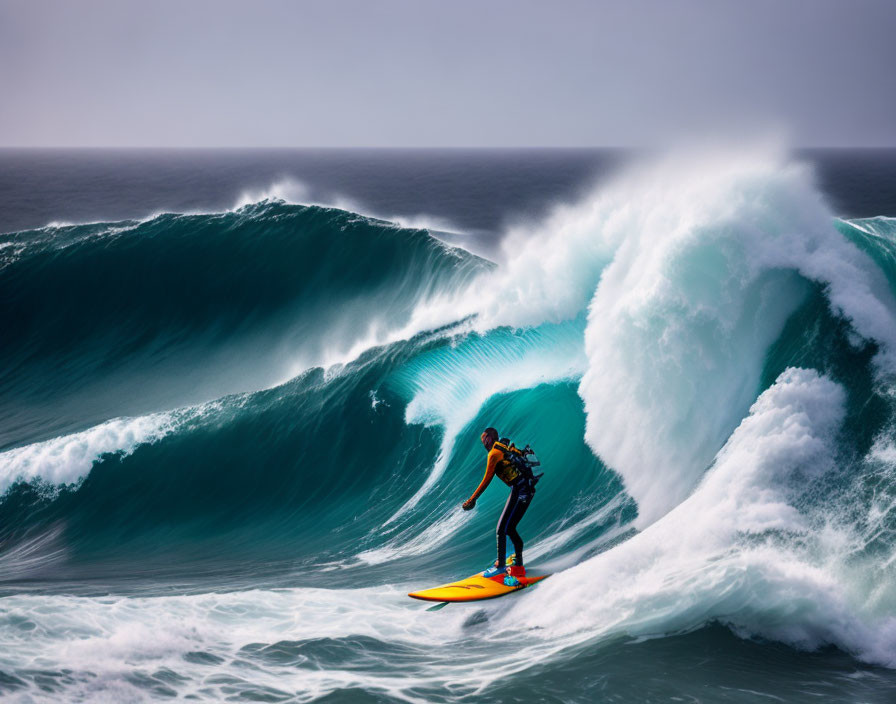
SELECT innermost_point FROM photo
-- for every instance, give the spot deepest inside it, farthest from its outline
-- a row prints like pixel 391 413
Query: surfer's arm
pixel 493 458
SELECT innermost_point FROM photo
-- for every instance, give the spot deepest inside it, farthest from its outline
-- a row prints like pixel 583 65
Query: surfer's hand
pixel 468 504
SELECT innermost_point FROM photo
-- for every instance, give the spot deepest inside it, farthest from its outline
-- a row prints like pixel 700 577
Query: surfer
pixel 522 487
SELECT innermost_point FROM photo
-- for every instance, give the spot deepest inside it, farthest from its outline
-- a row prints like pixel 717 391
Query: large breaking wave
pixel 287 398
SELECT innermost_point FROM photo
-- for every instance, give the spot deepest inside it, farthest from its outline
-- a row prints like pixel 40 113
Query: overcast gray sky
pixel 449 73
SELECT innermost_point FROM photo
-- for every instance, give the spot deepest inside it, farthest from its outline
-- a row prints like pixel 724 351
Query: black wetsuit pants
pixel 520 497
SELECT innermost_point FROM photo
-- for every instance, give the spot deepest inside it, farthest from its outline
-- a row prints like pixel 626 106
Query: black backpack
pixel 523 459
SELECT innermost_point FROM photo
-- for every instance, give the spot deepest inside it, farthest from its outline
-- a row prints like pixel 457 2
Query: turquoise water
pixel 233 441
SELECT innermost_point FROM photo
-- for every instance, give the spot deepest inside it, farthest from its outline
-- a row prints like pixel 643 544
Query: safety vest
pixel 513 465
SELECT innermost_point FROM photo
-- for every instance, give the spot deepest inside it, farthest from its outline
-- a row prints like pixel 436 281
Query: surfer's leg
pixel 519 511
pixel 503 522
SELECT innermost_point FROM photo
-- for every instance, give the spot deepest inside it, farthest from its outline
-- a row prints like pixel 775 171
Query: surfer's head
pixel 489 437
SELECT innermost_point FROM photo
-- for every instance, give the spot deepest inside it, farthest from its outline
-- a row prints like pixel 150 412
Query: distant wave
pixel 191 307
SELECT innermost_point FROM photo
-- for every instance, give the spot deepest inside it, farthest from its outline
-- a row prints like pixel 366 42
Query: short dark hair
pixel 490 432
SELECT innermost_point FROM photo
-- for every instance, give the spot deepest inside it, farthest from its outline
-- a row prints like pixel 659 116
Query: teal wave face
pixel 290 469
pixel 124 318
pixel 314 470
pixel 877 238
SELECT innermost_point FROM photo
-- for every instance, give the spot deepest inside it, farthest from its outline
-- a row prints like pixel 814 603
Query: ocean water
pixel 241 394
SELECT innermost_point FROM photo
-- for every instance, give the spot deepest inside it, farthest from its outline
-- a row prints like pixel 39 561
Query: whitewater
pixel 232 441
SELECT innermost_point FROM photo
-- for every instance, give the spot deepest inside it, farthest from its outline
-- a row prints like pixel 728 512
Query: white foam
pixel 103 643
pixel 68 459
pixel 738 550
pixel 295 192
pixel 288 190
pixel 710 259
pixel 884 450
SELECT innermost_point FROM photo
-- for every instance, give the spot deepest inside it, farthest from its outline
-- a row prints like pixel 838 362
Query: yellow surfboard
pixel 475 588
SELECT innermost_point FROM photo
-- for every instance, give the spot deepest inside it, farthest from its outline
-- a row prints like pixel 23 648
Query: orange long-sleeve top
pixel 494 456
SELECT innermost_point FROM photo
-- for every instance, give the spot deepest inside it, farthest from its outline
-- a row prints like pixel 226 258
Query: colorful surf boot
pixel 494 571
pixel 511 560
pixel 516 571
